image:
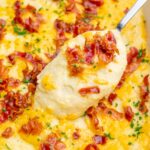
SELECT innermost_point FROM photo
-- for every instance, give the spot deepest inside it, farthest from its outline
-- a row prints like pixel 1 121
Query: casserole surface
pixel 24 52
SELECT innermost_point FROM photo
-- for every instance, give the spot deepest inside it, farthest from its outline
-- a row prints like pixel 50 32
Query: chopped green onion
pixel 19 31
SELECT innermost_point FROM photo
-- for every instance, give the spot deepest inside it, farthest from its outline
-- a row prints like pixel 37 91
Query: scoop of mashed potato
pixel 58 92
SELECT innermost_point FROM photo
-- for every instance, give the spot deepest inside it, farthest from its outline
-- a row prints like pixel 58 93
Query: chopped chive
pixel 8 148
pixel 26 81
pixel 109 136
pixel 19 31
pixel 131 124
pixel 1 80
pixel 129 143
pixel 140 53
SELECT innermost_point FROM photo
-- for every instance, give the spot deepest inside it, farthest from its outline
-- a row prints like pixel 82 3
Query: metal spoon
pixel 136 7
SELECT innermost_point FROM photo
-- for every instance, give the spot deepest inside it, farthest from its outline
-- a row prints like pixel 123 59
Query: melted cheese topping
pixel 134 34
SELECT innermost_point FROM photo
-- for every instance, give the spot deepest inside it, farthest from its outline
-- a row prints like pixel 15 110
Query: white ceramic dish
pixel 146 10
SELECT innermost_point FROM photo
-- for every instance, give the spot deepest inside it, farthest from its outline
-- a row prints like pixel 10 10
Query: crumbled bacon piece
pixel 2 29
pixel 73 58
pixel 3 71
pixel 61 28
pixel 89 90
pixel 144 94
pixel 77 28
pixel 106 47
pixel 7 132
pixel 71 7
pixel 129 114
pixel 76 134
pixel 109 111
pixel 126 10
pixel 33 127
pixel 91 6
pixel 92 114
pixel 31 88
pixel 91 147
pixel 38 65
pixel 89 51
pixel 13 105
pixel 112 97
pixel 98 139
pixel 52 142
pixel 31 24
pixel 9 83
pixel 52 56
pixel 101 47
pixel 145 88
pixel 81 26
pixel 133 63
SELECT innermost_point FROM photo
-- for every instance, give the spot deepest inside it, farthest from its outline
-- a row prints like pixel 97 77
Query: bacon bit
pixel 30 24
pixel 106 47
pixel 80 27
pixel 92 114
pixel 89 90
pixel 112 97
pixel 91 6
pixel 98 139
pixel 14 105
pixel 144 94
pixel 89 51
pixel 52 56
pixel 109 111
pixel 38 65
pixel 73 58
pixel 91 147
pixel 7 132
pixel 52 142
pixel 129 114
pixel 61 27
pixel 33 127
pixel 144 89
pixel 3 71
pixel 126 10
pixel 9 83
pixel 2 29
pixel 31 88
pixel 76 135
pixel 60 146
pixel 133 63
pixel 72 8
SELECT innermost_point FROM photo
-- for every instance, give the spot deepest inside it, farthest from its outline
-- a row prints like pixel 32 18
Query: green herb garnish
pixel 1 80
pixel 64 134
pixel 140 53
pixel 8 148
pixel 129 143
pixel 131 124
pixel 136 104
pixel 3 109
pixel 145 61
pixel 19 31
pixel 26 81
pixel 48 125
pixel 109 136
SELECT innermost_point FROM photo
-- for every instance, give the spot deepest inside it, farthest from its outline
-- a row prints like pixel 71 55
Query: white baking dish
pixel 146 10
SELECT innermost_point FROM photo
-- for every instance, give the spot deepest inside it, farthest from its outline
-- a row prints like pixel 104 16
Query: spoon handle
pixel 131 13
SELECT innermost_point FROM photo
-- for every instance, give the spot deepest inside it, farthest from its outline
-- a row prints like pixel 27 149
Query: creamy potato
pixel 58 91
